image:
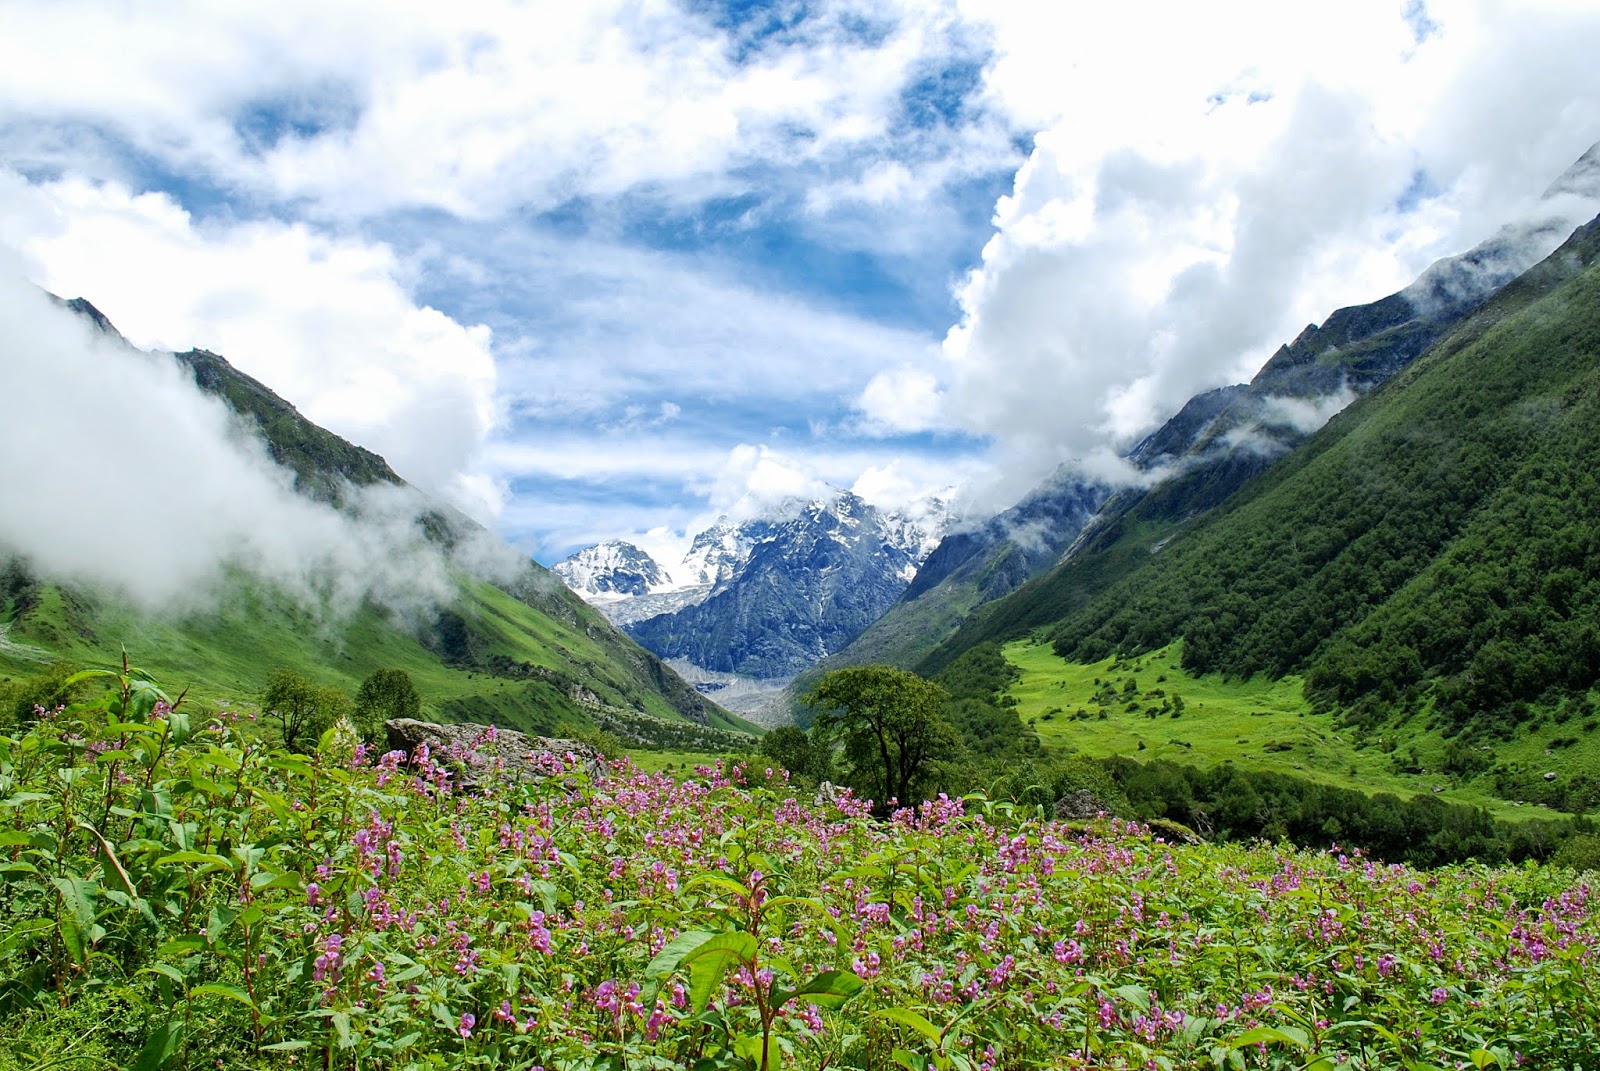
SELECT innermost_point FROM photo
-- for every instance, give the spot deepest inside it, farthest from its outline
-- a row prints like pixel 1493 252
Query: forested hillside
pixel 1434 546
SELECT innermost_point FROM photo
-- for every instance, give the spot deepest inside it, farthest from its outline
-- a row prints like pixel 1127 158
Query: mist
pixel 119 474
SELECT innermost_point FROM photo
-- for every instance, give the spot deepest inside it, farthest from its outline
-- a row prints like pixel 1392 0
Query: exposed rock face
pixel 1080 806
pixel 807 589
pixel 476 756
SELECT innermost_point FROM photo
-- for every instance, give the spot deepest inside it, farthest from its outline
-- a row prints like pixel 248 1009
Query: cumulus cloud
pixel 117 472
pixel 900 400
pixel 1196 183
pixel 1235 179
pixel 324 321
pixel 474 108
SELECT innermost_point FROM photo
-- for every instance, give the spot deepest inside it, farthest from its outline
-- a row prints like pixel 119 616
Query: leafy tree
pixel 302 709
pixel 805 757
pixel 891 724
pixel 385 695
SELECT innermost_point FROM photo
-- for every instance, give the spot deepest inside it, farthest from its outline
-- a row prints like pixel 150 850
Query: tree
pixel 796 751
pixel 302 709
pixel 891 723
pixel 385 695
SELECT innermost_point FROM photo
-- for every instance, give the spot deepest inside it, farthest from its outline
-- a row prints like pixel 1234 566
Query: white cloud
pixel 1197 195
pixel 327 323
pixel 117 472
pixel 900 400
pixel 1203 181
pixel 471 107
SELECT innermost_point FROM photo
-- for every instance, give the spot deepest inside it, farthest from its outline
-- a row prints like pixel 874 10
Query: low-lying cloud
pixel 118 473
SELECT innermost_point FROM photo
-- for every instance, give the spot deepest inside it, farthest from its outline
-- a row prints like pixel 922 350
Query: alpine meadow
pixel 727 535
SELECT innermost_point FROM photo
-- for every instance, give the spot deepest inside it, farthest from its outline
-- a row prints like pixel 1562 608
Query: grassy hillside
pixel 1264 723
pixel 489 658
pixel 523 652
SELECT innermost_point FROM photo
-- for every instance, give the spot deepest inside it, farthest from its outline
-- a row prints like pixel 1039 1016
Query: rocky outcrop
pixel 1081 806
pixel 477 756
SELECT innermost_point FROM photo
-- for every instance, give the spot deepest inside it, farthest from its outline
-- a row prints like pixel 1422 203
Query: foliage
pixel 179 895
pixel 1440 537
pixel 20 699
pixel 804 755
pixel 386 694
pixel 891 724
pixel 1431 549
pixel 301 709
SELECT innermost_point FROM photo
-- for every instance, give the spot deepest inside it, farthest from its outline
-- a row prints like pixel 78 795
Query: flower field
pixel 178 894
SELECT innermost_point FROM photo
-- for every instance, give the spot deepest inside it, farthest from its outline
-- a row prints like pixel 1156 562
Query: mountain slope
pixel 1222 438
pixel 1432 548
pixel 521 650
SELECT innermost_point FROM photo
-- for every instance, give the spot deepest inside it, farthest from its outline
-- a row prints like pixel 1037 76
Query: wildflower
pixel 468 1021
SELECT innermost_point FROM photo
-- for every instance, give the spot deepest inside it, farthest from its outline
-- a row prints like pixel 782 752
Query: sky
pixel 611 269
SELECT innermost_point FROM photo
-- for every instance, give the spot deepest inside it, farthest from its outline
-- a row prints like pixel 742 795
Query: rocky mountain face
pixel 779 593
pixel 611 568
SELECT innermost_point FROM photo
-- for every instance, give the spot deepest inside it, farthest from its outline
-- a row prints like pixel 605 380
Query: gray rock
pixel 827 795
pixel 1080 806
pixel 480 755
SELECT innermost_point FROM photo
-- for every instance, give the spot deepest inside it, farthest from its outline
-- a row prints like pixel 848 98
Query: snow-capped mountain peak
pixel 614 568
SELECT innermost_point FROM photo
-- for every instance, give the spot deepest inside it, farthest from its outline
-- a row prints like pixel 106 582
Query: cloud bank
pixel 117 472
pixel 575 262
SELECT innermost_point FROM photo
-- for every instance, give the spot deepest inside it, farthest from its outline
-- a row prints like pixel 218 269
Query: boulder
pixel 478 755
pixel 1080 806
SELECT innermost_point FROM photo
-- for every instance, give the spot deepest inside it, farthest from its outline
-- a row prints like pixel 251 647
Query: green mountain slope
pixel 523 652
pixel 1435 548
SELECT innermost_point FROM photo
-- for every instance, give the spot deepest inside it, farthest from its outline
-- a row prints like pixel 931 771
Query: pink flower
pixel 468 1021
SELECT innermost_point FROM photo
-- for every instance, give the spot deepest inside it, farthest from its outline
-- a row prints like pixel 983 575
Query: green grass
pixel 1259 723
pixel 224 654
pixel 677 763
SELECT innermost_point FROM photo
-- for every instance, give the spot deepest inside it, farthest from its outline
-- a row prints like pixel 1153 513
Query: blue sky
pixel 615 268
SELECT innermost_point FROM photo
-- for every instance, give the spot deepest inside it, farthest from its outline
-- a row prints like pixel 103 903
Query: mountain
pixel 809 582
pixel 513 646
pixel 611 568
pixel 1218 441
pixel 1430 553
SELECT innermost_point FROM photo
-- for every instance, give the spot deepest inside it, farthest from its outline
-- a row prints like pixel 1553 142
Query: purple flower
pixel 468 1021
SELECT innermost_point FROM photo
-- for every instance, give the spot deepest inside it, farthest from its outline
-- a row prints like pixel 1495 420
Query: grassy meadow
pixel 1259 723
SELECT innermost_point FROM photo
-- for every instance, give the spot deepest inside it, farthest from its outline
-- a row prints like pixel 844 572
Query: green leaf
pixel 111 857
pixel 914 1020
pixel 223 989
pixel 669 958
pixel 87 675
pixel 77 900
pixel 1289 1035
pixel 166 970
pixel 708 961
pixel 725 883
pixel 159 1048
pixel 1138 996
pixel 750 1049
pixel 72 936
pixel 209 860
pixel 341 1026
pixel 829 989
